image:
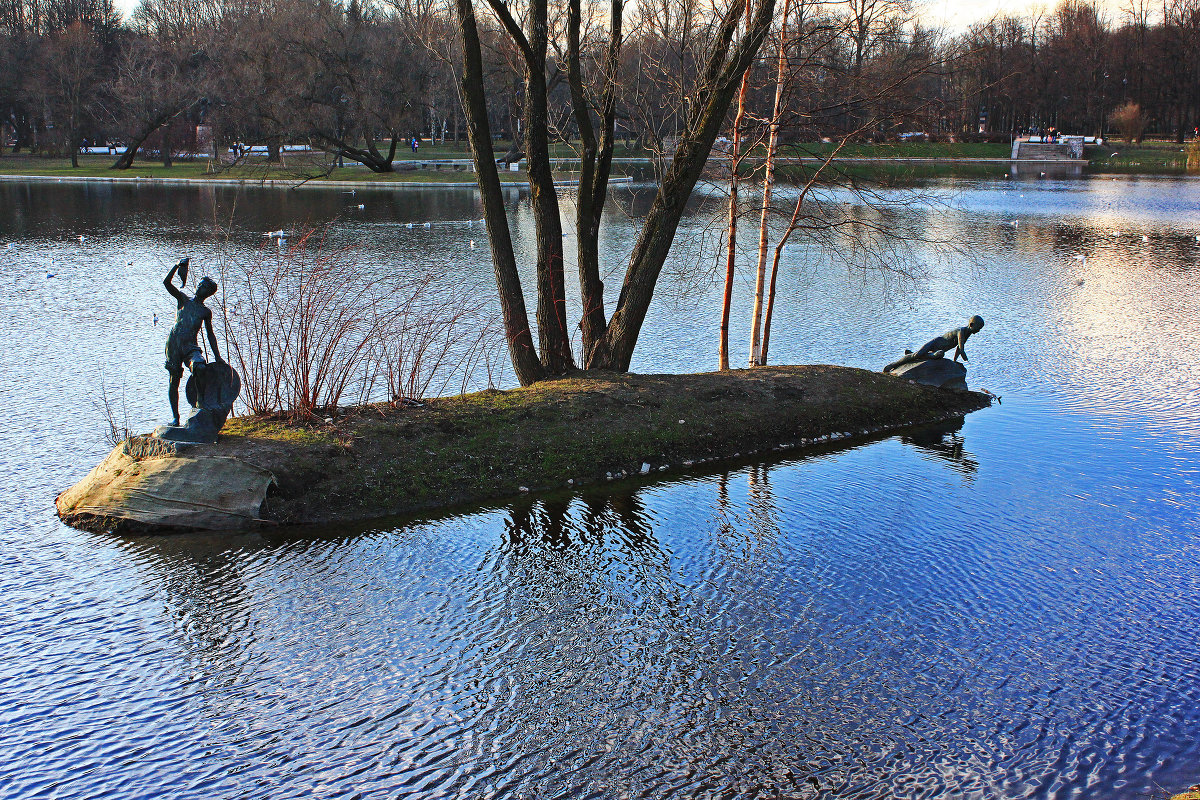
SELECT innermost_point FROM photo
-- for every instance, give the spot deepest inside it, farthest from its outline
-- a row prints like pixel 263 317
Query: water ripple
pixel 1006 608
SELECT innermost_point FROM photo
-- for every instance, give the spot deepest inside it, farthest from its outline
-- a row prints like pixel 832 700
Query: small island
pixel 591 427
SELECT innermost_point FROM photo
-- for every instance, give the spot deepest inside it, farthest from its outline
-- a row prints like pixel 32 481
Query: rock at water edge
pixel 940 372
pixel 164 487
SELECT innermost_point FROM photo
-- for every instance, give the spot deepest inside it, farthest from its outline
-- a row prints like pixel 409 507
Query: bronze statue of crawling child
pixel 936 348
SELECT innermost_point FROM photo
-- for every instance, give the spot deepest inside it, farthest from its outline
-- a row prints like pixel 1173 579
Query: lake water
pixel 1008 608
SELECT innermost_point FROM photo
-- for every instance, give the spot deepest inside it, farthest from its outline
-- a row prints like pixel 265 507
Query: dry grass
pixel 310 330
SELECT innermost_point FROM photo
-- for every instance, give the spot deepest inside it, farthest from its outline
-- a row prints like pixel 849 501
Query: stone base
pixel 180 434
pixel 940 372
pixel 152 485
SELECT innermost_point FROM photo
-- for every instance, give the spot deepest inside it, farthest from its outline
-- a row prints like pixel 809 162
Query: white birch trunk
pixel 731 235
pixel 758 349
pixel 758 329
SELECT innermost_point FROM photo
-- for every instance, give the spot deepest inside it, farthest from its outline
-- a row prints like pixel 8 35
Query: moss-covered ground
pixel 382 460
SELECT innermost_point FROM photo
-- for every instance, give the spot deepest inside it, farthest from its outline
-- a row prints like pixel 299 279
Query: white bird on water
pixel 1012 223
pixel 1082 259
pixel 360 205
pixel 279 234
pixel 1145 238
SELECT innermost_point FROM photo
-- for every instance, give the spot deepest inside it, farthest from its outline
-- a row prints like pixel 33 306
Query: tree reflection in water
pixel 573 640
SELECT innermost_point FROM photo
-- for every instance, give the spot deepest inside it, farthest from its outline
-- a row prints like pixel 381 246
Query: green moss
pixel 277 430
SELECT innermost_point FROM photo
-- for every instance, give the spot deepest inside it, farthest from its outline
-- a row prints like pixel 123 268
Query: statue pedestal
pixel 940 372
pixel 148 485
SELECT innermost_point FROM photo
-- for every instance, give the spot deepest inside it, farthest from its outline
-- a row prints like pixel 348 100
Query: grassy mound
pixel 382 459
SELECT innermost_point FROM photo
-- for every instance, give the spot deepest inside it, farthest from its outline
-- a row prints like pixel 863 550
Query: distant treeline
pixel 359 79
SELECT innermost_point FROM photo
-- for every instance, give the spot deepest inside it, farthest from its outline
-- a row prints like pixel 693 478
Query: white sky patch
pixel 955 16
pixel 958 15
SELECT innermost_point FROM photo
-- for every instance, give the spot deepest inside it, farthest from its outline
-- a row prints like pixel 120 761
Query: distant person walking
pixel 415 143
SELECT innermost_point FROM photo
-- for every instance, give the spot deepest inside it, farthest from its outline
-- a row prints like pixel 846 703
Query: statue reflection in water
pixel 945 442
pixel 206 598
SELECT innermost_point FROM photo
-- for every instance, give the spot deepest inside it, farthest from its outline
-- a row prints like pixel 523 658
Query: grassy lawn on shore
pixel 901 150
pixel 1148 157
pixel 294 169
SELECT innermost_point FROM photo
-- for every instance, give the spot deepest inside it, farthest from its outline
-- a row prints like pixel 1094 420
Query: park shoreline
pixel 590 428
pixel 280 183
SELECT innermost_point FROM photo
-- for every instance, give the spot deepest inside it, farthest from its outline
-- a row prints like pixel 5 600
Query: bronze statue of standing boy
pixel 183 346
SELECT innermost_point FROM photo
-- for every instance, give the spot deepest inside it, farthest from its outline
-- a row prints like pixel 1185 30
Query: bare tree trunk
pixel 719 80
pixel 369 155
pixel 554 338
pixel 595 168
pixel 24 131
pixel 508 282
pixel 125 160
pixel 654 243
pixel 758 353
pixel 553 334
pixel 735 158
